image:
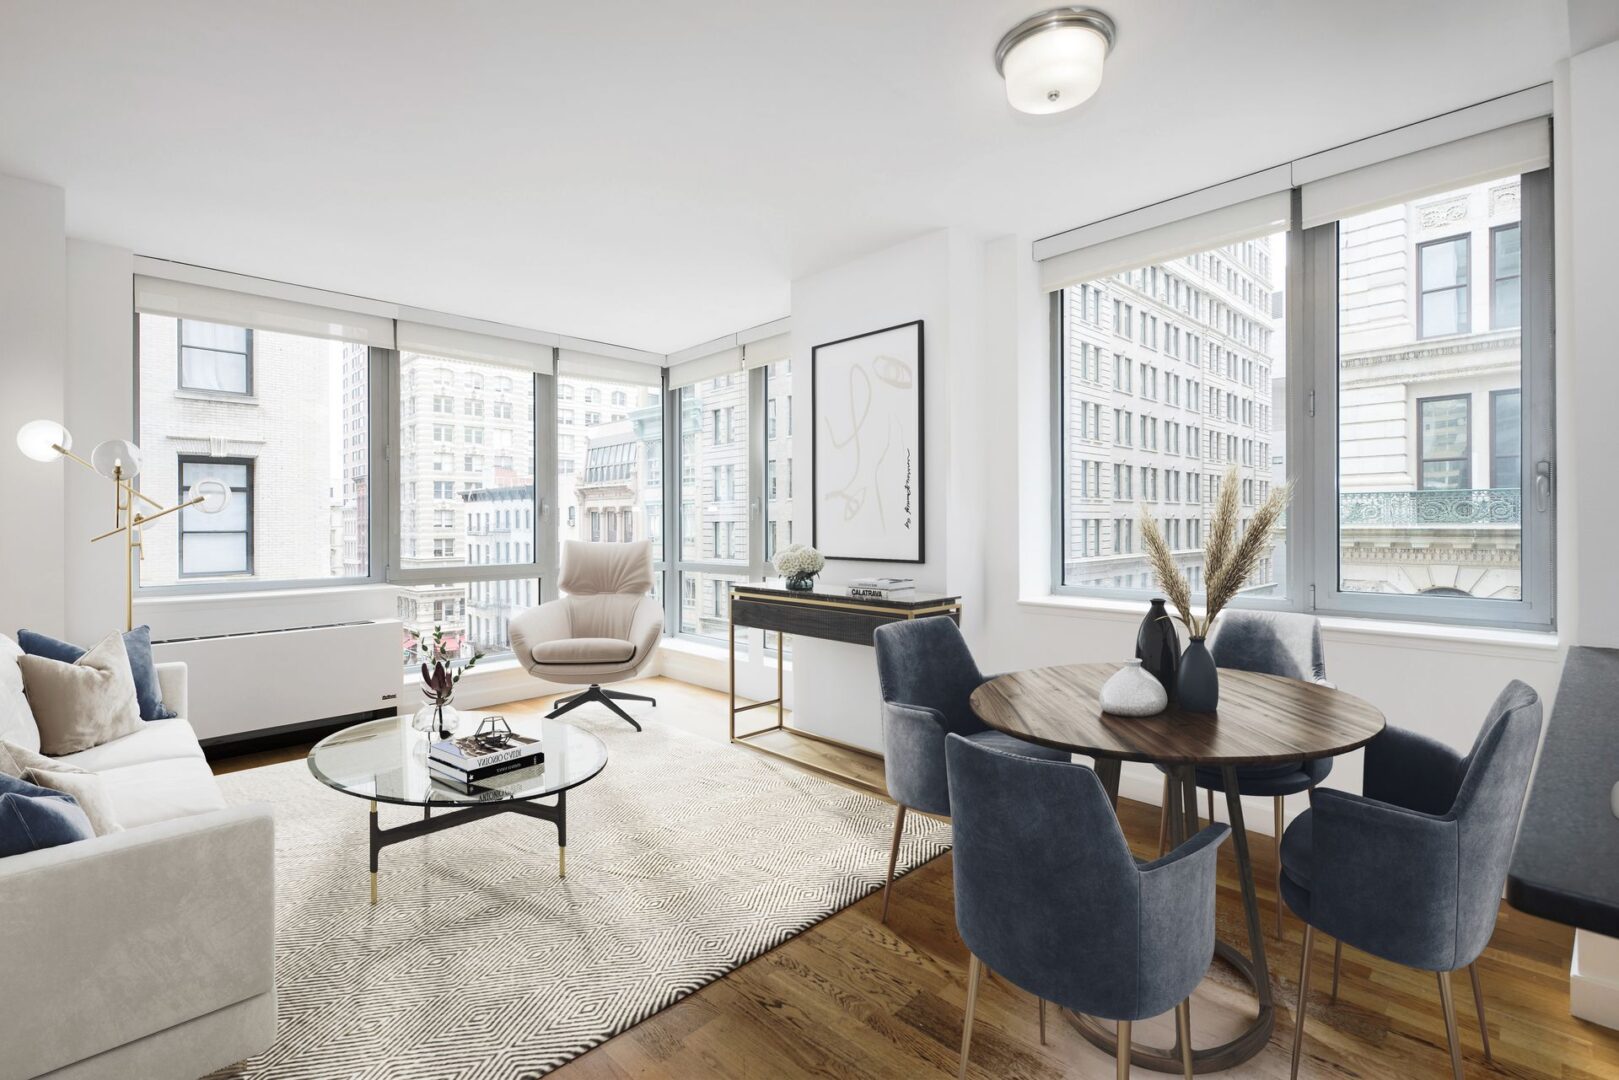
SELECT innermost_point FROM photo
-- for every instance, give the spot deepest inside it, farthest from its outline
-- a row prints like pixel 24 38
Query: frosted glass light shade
pixel 1053 61
pixel 215 495
pixel 40 438
pixel 118 457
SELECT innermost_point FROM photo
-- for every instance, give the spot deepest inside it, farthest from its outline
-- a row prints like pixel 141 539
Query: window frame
pixel 1496 396
pixel 180 359
pixel 1466 457
pixel 1466 288
pixel 1496 278
pixel 181 461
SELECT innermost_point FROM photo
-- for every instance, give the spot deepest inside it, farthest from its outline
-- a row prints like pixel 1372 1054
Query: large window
pixel 1430 439
pixel 1143 428
pixel 466 499
pixel 1411 411
pixel 285 420
pixel 715 512
pixel 610 464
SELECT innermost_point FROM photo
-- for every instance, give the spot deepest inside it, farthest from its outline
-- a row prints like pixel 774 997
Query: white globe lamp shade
pixel 214 494
pixel 116 458
pixel 40 438
pixel 1053 61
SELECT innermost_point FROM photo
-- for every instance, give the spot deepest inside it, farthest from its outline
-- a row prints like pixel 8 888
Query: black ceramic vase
pixel 1197 689
pixel 1158 647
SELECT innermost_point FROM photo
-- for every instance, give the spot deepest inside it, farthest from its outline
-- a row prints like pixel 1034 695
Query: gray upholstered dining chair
pixel 1281 643
pixel 1412 870
pixel 1049 896
pixel 927 675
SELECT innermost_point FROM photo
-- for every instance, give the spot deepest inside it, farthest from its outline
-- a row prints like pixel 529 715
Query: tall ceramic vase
pixel 1158 647
pixel 1197 688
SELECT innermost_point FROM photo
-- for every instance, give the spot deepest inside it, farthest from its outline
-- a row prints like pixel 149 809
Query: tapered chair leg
pixel 1449 1005
pixel 1163 819
pixel 1042 1021
pixel 1304 993
pixel 1337 960
pixel 893 859
pixel 1211 806
pixel 974 973
pixel 1279 817
pixel 1183 1024
pixel 1478 1000
pixel 1122 1069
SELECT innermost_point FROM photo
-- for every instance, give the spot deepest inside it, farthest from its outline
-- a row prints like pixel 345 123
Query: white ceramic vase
pixel 1134 691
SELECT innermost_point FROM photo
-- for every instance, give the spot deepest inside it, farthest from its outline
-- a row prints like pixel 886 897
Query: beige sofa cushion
pixel 161 790
pixel 155 740
pixel 88 790
pixel 85 703
pixel 16 718
pixel 584 650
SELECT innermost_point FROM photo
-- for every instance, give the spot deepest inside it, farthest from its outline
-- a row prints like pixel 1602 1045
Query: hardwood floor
pixel 852 997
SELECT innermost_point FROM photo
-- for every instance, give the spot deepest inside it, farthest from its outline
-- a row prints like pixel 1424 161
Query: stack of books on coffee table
pixel 883 588
pixel 465 760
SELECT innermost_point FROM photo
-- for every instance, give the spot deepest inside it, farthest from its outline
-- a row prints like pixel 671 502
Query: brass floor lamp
pixel 119 460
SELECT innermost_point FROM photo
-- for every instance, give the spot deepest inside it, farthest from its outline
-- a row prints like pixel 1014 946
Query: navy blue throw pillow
pixel 137 643
pixel 32 817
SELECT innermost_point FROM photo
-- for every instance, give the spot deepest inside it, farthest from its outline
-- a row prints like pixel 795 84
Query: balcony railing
pixel 1478 507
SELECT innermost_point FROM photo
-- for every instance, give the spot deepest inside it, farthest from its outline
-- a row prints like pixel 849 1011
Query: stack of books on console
pixel 464 761
pixel 883 588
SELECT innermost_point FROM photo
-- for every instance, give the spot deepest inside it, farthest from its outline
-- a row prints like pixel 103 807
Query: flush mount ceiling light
pixel 1053 61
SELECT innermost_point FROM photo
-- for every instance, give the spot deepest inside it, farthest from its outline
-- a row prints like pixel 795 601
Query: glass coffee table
pixel 385 761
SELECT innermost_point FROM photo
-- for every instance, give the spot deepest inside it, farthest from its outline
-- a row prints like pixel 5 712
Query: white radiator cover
pixel 244 683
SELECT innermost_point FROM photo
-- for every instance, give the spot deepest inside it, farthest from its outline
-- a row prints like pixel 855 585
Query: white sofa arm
pixel 171 683
pixel 111 939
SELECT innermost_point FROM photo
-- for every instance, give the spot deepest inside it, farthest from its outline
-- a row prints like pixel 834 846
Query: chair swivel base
pixel 604 697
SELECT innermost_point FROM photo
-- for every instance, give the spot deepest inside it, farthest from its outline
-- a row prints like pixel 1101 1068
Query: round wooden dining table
pixel 1262 720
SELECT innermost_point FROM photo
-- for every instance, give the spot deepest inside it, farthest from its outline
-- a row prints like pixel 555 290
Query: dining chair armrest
pixel 1413 771
pixel 1175 922
pixel 1383 878
pixel 913 757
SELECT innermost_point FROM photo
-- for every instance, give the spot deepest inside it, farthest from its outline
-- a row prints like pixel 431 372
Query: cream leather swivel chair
pixel 602 630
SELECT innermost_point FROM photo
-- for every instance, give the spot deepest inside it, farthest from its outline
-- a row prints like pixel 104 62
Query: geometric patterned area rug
pixel 686 859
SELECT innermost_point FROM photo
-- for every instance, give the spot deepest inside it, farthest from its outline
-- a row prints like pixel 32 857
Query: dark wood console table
pixel 828 613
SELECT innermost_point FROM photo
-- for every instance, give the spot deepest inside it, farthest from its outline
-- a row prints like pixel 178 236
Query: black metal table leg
pixel 557 815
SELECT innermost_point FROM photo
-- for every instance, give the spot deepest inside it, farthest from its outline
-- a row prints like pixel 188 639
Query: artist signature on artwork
pixel 907 489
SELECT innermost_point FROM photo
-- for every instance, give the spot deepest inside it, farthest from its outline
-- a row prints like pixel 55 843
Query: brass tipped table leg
pixel 374 850
pixel 562 860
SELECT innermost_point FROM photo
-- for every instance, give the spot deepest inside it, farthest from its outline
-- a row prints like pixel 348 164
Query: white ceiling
pixel 656 174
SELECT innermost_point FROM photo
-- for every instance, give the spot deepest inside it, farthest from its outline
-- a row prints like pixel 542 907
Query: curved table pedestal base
pixel 1101 1033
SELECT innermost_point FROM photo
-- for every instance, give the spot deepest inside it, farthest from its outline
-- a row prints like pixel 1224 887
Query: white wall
pixel 927 278
pixel 99 404
pixel 33 326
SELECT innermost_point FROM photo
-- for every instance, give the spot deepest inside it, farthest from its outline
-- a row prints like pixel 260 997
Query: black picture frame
pixel 919 517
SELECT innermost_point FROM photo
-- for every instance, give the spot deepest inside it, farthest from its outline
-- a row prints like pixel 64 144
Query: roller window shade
pixel 478 348
pixel 1519 148
pixel 1112 254
pixel 690 372
pixel 204 303
pixel 766 351
pixel 572 363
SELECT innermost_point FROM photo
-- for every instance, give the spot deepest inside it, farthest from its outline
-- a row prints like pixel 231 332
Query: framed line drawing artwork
pixel 866 446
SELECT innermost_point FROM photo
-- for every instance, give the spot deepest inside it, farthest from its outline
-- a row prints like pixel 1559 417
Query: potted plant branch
pixel 440 674
pixel 1231 555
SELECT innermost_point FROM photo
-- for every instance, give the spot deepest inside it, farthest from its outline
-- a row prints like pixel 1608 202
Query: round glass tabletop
pixel 386 760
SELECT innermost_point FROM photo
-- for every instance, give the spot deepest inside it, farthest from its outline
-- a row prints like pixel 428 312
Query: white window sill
pixel 1442 636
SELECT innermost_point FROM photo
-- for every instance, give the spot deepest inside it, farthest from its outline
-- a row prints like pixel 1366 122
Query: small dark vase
pixel 1158 647
pixel 1198 686
pixel 801 582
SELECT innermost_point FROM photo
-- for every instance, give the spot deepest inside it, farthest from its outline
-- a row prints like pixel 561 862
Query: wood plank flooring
pixel 852 997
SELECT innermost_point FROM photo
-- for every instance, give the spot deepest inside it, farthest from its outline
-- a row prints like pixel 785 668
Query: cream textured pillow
pixel 87 790
pixel 18 761
pixel 83 704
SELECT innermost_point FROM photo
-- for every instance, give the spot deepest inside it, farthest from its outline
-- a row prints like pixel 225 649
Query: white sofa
pixel 147 952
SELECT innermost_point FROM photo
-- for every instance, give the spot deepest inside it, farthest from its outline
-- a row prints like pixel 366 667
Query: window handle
pixel 1543 486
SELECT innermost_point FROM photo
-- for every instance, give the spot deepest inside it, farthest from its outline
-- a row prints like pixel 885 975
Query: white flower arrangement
pixel 798 562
